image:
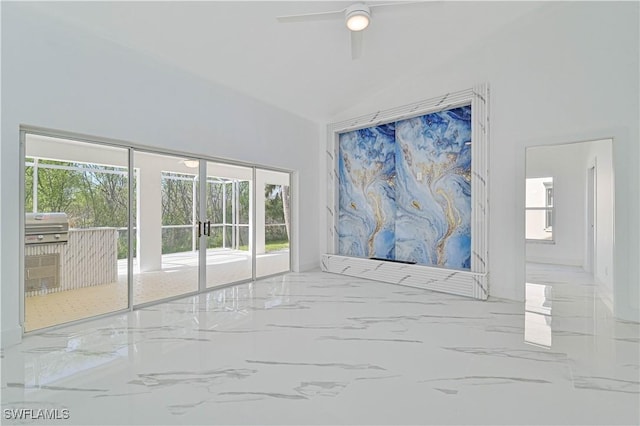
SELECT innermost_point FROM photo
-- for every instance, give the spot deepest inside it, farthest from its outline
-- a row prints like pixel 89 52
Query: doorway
pixel 569 222
pixel 228 206
pixel 166 261
pixel 570 205
pixel 591 206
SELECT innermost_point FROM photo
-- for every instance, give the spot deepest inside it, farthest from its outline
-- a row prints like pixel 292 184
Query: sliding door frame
pixel 201 216
pixel 132 148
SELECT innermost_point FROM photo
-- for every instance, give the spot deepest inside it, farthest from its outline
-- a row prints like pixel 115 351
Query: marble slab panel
pixel 366 224
pixel 433 189
pixel 405 190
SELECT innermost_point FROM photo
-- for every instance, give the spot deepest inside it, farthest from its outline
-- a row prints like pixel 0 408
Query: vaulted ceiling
pixel 303 67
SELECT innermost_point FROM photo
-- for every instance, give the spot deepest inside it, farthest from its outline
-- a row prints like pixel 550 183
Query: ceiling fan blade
pixel 396 3
pixel 312 16
pixel 356 44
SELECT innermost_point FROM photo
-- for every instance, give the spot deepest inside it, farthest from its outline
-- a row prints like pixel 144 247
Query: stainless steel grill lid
pixel 46 228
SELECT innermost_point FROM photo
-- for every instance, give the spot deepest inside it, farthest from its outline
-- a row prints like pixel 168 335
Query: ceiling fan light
pixel 357 17
pixel 358 22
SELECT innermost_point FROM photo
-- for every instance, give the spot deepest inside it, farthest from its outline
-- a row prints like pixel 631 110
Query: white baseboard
pixel 310 266
pixel 10 336
pixel 554 261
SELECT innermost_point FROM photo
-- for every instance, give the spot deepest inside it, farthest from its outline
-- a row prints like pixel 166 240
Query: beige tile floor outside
pixel 179 275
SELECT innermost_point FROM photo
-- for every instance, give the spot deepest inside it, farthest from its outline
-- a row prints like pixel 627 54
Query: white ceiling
pixel 306 67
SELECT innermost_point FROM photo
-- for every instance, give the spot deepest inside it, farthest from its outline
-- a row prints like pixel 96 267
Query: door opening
pixel 591 220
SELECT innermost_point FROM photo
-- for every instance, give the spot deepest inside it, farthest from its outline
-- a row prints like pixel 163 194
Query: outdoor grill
pixel 46 228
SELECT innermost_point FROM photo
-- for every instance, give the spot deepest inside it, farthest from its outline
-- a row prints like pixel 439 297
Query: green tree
pixel 90 195
pixel 177 209
pixel 57 188
pixel 275 198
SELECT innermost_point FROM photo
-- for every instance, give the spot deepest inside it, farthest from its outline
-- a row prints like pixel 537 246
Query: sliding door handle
pixel 199 229
pixel 208 228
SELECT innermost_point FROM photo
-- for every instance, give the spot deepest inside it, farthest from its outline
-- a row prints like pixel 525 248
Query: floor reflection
pixel 537 314
pixel 564 302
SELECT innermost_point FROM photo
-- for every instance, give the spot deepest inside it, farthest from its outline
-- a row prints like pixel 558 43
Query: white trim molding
pixel 473 283
pixel 438 279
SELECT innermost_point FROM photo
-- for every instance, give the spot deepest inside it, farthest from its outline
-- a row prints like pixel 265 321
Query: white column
pixel 252 188
pixel 224 214
pixel 260 211
pixel 149 216
pixel 194 213
pixel 35 185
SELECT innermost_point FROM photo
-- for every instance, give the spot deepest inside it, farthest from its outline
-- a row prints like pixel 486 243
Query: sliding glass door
pixel 167 232
pixel 228 196
pixel 273 222
pixel 109 227
pixel 76 203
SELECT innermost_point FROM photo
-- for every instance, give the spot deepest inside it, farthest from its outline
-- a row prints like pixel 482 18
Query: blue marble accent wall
pixel 405 190
pixel 433 189
pixel 367 207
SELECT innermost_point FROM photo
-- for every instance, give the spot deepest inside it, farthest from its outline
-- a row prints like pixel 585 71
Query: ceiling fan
pixel 357 17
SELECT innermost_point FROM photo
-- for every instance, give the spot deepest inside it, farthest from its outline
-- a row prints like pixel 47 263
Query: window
pixel 539 209
pixel 548 219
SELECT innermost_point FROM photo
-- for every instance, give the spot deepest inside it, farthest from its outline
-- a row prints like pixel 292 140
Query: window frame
pixel 549 209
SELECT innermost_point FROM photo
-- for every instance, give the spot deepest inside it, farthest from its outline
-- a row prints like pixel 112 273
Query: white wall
pixel 599 154
pixel 566 73
pixel 566 164
pixel 59 77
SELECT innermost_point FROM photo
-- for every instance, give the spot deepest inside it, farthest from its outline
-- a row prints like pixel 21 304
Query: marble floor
pixel 317 348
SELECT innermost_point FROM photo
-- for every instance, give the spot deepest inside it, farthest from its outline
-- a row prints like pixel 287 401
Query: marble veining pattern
pixel 367 206
pixel 433 189
pixel 405 190
pixel 292 350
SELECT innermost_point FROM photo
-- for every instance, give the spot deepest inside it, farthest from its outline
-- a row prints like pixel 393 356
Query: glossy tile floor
pixel 315 348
